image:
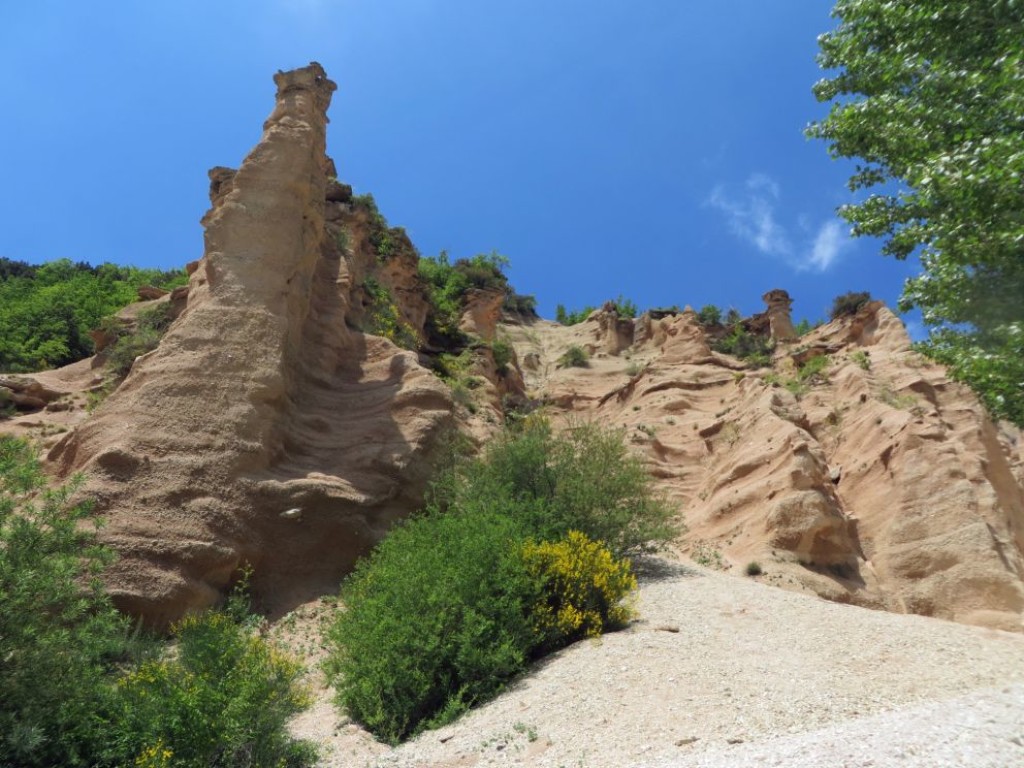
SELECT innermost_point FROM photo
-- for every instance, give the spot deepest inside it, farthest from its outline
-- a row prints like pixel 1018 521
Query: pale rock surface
pixel 261 398
pixel 884 484
pixel 780 322
pixel 480 317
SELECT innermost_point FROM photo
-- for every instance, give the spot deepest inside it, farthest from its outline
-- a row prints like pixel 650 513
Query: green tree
pixel 47 311
pixel 929 96
pixel 709 315
pixel 59 632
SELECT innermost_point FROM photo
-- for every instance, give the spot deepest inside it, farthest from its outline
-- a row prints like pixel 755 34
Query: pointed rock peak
pixel 311 78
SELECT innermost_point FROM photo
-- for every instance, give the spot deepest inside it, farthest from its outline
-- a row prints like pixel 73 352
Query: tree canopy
pixel 47 310
pixel 928 95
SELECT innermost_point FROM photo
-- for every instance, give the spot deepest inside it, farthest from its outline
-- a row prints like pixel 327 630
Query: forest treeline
pixel 47 310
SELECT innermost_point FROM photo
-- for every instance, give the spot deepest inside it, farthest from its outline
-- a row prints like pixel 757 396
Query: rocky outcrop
pixel 877 482
pixel 481 313
pixel 780 316
pixel 25 393
pixel 266 429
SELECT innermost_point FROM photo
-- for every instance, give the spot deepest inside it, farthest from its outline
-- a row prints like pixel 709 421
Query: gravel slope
pixel 984 729
pixel 723 671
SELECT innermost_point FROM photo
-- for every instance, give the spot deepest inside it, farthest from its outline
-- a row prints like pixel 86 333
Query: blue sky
pixel 650 149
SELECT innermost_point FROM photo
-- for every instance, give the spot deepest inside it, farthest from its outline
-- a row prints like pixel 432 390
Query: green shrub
pixel 503 353
pixel 386 241
pixel 448 285
pixel 452 368
pixel 754 568
pixel 584 479
pixel 707 555
pixel 446 290
pixel 797 387
pixel 385 318
pixel 74 693
pixel 451 606
pixel 434 622
pixel 583 587
pixel 517 408
pixel 224 698
pixel 848 303
pixel 811 372
pixel 894 399
pixel 572 318
pixel 991 363
pixel 805 326
pixel 861 358
pixel 813 369
pixel 709 315
pixel 59 633
pixel 754 349
pixel 574 357
pixel 343 240
pixel 484 271
pixel 521 304
pixel 150 327
pixel 622 306
pixel 47 310
pixel 625 308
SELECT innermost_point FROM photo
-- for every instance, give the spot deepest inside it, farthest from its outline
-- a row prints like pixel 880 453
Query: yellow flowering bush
pixel 155 756
pixel 583 589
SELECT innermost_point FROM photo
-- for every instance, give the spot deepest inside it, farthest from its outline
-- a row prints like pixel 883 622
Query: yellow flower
pixel 583 585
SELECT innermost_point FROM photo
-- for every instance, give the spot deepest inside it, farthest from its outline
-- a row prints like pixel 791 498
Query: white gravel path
pixel 723 671
pixel 984 729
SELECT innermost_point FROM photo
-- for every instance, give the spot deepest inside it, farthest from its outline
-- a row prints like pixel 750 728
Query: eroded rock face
pixel 261 399
pixel 25 393
pixel 878 482
pixel 271 427
pixel 480 317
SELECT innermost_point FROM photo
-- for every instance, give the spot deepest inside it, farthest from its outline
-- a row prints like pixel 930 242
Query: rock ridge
pixel 877 481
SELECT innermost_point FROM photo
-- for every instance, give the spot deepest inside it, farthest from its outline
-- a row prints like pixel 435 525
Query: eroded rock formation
pixel 278 425
pixel 878 481
pixel 263 398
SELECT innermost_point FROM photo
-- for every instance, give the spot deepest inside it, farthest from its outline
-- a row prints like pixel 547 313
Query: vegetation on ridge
pixel 624 307
pixel 751 347
pixel 150 327
pixel 448 285
pixel 47 310
pixel 848 304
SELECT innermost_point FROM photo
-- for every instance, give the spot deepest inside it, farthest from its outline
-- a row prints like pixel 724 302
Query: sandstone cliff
pixel 875 481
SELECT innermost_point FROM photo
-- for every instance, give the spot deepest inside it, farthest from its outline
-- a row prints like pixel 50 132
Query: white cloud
pixel 752 215
pixel 829 243
pixel 761 183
